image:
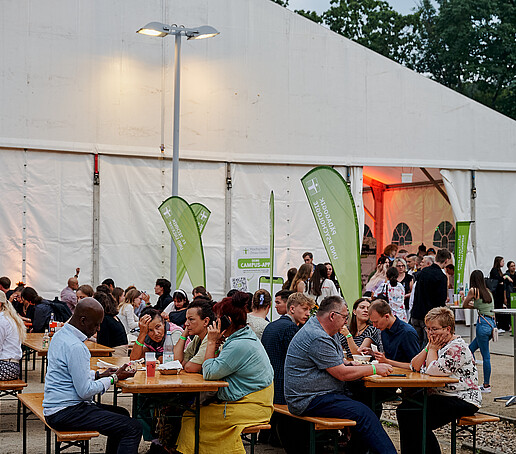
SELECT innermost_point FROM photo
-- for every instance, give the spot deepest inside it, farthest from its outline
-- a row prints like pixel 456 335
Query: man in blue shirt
pixel 399 339
pixel 315 373
pixel 70 385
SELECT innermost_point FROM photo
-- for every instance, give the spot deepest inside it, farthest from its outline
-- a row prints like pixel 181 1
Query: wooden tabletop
pixel 412 380
pixel 34 341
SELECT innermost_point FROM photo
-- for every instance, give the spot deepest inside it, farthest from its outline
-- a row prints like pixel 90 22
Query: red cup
pixel 151 368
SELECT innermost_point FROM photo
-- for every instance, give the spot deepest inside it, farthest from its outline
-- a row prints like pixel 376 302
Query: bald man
pixel 70 385
pixel 68 294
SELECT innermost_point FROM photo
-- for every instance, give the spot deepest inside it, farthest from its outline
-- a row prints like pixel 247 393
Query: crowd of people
pixel 303 359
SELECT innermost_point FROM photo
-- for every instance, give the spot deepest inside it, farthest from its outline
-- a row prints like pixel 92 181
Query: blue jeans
pixel 123 432
pixel 368 428
pixel 484 329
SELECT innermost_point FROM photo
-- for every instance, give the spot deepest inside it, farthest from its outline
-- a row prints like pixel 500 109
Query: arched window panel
pixel 402 236
pixel 444 236
pixel 367 232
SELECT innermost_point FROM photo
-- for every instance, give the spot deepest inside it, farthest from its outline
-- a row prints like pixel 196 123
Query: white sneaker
pixel 479 362
pixel 485 389
pixel 501 331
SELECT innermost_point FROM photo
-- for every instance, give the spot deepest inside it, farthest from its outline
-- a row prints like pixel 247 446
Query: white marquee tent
pixel 273 95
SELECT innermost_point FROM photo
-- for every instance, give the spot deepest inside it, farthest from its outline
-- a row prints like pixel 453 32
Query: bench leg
pixel 57 446
pixel 49 440
pixel 254 438
pixel 86 446
pixel 18 414
pixel 24 442
pixel 453 437
pixel 312 438
pixel 474 439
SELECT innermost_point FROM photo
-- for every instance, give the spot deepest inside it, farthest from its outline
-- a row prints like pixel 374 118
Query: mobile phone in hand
pixel 225 321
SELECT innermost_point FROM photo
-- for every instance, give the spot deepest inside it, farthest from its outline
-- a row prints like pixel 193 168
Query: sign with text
pixel 461 250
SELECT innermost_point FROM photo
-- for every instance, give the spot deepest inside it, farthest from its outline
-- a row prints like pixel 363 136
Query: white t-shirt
pixel 10 345
pixel 128 318
pixel 327 289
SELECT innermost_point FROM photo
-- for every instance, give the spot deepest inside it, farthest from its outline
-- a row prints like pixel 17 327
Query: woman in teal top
pixel 480 298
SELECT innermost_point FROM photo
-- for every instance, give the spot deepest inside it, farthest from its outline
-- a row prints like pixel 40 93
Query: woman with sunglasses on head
pixel 445 355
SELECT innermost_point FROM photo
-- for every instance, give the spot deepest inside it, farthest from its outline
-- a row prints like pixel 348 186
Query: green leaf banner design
pixel 335 215
pixel 184 230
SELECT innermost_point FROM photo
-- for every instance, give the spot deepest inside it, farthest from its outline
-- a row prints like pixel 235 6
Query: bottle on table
pixel 46 339
pixel 52 324
pixel 168 348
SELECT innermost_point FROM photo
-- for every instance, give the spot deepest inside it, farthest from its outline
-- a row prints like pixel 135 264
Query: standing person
pixel 481 299
pixel 394 293
pixel 331 275
pixel 308 258
pixel 280 300
pixel 500 300
pixel 445 355
pixel 431 291
pixel 300 282
pixel 260 308
pixel 390 252
pixel 5 285
pixel 68 294
pixel 378 277
pixel 162 289
pixel 291 274
pixel 510 283
pixel 70 385
pixel 315 376
pixel 319 286
pixel 84 291
pixel 411 260
pixel 405 279
pixel 12 334
pixel 110 283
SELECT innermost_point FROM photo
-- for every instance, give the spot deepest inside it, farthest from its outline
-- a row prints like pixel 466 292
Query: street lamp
pixel 162 30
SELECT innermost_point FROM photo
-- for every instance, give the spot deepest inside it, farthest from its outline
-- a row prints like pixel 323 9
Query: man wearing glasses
pixel 315 376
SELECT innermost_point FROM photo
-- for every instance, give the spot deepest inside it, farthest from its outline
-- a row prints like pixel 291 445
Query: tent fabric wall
pixel 357 187
pixel 58 192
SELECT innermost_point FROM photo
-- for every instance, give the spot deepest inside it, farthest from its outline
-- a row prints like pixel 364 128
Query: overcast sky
pixel 402 6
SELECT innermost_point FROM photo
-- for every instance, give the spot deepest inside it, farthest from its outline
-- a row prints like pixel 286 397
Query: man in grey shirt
pixel 315 371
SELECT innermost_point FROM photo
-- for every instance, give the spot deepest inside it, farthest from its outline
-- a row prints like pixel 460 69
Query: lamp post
pixel 162 30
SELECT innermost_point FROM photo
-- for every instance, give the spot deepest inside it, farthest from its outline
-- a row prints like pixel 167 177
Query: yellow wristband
pixel 374 369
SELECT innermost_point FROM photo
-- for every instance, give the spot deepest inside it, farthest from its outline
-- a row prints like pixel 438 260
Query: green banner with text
pixel 184 229
pixel 461 250
pixel 202 214
pixel 335 214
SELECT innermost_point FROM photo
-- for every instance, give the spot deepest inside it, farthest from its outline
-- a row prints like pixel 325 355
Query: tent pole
pixel 96 221
pixel 473 214
pixel 227 217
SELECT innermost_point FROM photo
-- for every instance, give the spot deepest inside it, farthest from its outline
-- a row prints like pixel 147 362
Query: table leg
pixel 27 355
pixel 425 409
pixel 312 438
pixel 24 442
pixel 197 420
pixel 43 363
pixel 514 353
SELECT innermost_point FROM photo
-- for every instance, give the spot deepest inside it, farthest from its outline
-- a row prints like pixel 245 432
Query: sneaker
pixel 479 362
pixel 501 331
pixel 485 389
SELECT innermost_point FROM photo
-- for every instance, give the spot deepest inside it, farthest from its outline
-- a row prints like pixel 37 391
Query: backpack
pixel 61 310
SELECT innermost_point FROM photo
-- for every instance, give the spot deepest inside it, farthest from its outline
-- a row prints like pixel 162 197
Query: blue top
pixel 400 342
pixel 276 338
pixel 243 363
pixel 69 380
pixel 310 353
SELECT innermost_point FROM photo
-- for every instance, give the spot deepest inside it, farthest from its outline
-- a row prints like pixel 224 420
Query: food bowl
pixel 169 371
pixel 362 358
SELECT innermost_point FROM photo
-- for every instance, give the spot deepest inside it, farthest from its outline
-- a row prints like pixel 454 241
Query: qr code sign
pixel 239 283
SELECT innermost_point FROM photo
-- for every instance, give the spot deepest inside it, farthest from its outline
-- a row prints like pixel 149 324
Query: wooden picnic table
pixel 34 343
pixel 410 380
pixel 183 382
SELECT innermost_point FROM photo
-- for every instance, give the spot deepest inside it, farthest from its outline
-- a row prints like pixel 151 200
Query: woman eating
pixel 361 333
pixel 12 334
pixel 247 401
pixel 481 299
pixel 445 355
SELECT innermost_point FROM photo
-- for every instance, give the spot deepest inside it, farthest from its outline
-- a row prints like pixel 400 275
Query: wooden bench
pixel 13 388
pixel 317 423
pixel 469 424
pixel 79 438
pixel 253 431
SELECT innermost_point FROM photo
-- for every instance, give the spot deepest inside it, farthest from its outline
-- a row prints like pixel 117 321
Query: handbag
pixel 491 284
pixel 494 332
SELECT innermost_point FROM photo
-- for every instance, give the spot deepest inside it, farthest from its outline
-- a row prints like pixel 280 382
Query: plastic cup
pixel 150 364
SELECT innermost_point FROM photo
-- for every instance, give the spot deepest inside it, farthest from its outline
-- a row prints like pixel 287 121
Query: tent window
pixel 367 232
pixel 444 236
pixel 402 236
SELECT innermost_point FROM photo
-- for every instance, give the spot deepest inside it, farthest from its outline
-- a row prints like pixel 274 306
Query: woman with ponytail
pixel 243 363
pixel 393 293
pixel 12 334
pixel 260 308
